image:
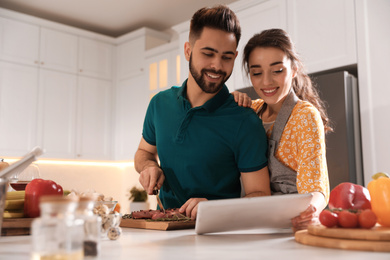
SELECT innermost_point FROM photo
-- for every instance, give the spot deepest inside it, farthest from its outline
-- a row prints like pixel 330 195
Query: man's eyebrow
pixel 272 64
pixel 216 51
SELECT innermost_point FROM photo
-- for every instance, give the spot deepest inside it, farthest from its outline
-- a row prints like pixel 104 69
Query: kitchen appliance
pixel 339 91
pixel 250 213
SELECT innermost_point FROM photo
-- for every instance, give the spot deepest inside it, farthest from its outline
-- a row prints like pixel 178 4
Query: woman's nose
pixel 267 79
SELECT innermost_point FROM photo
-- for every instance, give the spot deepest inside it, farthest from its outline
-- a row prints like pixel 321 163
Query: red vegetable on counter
pixel 347 195
pixel 34 190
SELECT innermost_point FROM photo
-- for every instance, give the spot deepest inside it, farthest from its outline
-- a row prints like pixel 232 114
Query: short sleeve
pixel 251 145
pixel 149 130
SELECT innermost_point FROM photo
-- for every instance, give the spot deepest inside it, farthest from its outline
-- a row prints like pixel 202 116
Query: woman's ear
pixel 294 71
pixel 187 50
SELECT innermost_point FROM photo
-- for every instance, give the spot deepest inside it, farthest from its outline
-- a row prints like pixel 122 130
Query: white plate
pixel 250 213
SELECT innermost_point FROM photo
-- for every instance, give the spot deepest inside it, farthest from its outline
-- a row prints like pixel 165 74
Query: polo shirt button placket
pixel 183 126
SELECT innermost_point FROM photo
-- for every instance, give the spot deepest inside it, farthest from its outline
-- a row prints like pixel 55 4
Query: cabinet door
pixel 18 108
pixel 132 99
pixel 163 71
pixel 93 119
pixel 266 15
pixel 58 51
pixel 95 58
pixel 57 114
pixel 130 58
pixel 19 42
pixel 324 32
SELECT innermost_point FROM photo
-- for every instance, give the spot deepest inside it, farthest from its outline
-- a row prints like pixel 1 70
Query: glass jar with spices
pixel 57 233
pixel 92 226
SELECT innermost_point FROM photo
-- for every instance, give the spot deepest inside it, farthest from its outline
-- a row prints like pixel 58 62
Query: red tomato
pixel 34 190
pixel 367 219
pixel 328 218
pixel 348 219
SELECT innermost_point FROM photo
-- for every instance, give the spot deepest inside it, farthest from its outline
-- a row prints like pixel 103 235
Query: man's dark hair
pixel 218 17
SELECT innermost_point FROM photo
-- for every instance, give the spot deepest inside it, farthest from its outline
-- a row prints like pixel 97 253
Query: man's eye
pixel 208 54
pixel 226 57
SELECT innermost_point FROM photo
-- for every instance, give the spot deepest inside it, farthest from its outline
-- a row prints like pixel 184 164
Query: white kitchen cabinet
pixel 254 19
pixel 130 58
pixel 18 108
pixel 19 42
pixel 58 50
pixel 33 45
pixel 163 68
pixel 57 114
pixel 93 119
pixel 324 32
pixel 95 58
pixel 132 99
pixel 37 46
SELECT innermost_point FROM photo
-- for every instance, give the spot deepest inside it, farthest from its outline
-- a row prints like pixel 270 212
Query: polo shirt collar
pixel 212 104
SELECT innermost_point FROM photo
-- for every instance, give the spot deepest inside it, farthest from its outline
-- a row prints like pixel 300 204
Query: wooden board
pixel 157 225
pixel 377 233
pixel 305 238
pixel 16 226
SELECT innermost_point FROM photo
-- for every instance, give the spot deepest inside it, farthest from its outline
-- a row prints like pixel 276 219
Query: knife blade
pixel 155 192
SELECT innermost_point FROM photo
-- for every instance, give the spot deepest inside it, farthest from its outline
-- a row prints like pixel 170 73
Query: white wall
pixel 110 180
pixel 373 27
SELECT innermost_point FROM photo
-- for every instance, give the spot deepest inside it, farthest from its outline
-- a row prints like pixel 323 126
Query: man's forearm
pixel 143 159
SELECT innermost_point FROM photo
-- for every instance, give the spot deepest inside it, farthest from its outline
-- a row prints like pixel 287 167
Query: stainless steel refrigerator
pixel 339 90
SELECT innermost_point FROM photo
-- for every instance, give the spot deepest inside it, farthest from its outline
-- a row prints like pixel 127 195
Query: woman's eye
pixel 279 70
pixel 256 73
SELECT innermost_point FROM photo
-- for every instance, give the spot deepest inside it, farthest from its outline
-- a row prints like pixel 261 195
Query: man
pixel 203 141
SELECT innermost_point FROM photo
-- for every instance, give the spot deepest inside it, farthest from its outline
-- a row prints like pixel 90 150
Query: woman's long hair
pixel 302 84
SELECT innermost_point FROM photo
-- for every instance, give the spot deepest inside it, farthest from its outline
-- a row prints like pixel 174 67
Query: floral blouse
pixel 302 147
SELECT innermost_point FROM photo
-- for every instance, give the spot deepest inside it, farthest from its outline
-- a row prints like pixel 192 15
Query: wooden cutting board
pixel 378 233
pixel 16 226
pixel 157 225
pixel 376 239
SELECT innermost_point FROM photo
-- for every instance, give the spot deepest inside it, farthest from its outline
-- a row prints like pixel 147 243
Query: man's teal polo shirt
pixel 202 150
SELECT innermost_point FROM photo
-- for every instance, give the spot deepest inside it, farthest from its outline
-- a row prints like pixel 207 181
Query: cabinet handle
pixel 79 155
pixel 42 63
pixel 81 70
pixel 36 62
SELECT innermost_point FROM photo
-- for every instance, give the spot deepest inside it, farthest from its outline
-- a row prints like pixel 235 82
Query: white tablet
pixel 250 213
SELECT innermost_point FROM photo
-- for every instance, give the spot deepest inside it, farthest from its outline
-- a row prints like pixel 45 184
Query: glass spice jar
pixel 92 226
pixel 57 233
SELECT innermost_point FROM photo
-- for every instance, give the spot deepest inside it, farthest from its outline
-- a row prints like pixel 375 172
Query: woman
pixel 294 118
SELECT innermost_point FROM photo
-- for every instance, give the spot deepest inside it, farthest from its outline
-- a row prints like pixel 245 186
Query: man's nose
pixel 216 64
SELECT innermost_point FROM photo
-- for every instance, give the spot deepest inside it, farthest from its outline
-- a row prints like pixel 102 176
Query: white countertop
pixel 185 244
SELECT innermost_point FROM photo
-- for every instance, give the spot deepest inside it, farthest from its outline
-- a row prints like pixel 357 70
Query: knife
pixel 155 192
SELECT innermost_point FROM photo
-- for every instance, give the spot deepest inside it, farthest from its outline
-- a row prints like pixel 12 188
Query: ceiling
pixel 112 17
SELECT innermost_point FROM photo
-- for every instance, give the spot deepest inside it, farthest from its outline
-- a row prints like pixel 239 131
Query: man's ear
pixel 187 50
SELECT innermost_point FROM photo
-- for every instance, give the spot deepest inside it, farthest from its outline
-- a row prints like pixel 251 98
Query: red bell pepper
pixel 348 195
pixel 34 190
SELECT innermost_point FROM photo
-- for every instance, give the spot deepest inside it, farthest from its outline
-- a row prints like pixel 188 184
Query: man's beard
pixel 210 88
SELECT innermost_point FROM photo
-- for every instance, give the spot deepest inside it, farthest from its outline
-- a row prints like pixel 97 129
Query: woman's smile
pixel 270 91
